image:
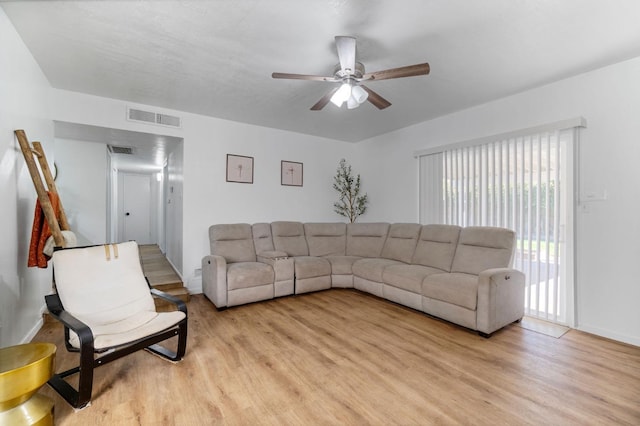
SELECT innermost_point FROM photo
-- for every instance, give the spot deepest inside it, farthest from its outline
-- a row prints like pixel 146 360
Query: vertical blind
pixel 524 183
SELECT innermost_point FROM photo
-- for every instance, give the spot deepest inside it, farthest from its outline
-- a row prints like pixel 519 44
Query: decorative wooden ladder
pixel 36 150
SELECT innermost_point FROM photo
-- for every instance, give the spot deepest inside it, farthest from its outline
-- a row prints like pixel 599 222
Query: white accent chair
pixel 106 305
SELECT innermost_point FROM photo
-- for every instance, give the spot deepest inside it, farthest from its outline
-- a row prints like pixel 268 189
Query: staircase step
pixel 162 276
pixel 164 306
pixel 171 285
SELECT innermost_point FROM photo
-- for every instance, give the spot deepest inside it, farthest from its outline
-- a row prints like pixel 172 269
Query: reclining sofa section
pixel 462 275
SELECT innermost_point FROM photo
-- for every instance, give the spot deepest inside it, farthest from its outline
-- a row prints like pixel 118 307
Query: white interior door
pixel 136 203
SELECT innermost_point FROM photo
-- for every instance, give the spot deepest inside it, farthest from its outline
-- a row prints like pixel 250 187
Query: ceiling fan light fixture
pixel 352 102
pixel 350 73
pixel 359 94
pixel 342 95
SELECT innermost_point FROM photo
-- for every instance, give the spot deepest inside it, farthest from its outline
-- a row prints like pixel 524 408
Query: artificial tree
pixel 350 204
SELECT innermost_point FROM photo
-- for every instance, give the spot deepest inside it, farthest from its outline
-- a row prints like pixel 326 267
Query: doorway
pixel 136 213
pixel 101 166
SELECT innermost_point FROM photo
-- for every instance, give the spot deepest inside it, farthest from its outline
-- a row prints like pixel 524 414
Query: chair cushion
pixel 248 274
pixel 104 287
pixel 408 277
pixel 455 288
pixel 128 330
pixel 311 267
pixel 106 291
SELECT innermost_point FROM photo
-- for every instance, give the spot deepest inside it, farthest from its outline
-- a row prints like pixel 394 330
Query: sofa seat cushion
pixel 371 269
pixel 342 265
pixel 455 288
pixel 311 267
pixel 408 277
pixel 248 274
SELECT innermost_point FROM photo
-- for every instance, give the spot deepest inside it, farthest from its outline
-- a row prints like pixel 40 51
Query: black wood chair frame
pixel 81 397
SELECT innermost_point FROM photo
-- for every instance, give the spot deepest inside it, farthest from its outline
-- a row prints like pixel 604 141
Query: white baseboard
pixel 195 285
pixel 174 267
pixel 632 340
pixel 32 333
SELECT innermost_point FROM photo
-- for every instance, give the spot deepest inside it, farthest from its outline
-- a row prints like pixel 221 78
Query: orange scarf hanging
pixel 40 231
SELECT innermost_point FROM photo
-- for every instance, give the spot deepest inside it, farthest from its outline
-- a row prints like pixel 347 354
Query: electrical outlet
pixel 590 196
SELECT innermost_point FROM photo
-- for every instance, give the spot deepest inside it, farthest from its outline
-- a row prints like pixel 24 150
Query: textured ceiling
pixel 216 57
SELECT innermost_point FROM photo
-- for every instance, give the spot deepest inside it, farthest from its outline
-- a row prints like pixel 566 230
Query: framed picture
pixel 239 168
pixel 290 173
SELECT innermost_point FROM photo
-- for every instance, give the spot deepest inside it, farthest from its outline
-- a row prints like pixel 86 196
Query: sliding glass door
pixel 525 183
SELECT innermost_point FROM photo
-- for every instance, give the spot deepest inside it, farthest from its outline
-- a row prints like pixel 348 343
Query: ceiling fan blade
pixel 302 77
pixel 324 100
pixel 375 99
pixel 346 47
pixel 408 71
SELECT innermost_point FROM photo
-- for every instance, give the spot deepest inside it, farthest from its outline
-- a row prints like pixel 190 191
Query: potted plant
pixel 350 203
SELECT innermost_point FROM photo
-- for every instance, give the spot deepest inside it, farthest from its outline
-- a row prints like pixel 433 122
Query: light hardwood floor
pixel 344 357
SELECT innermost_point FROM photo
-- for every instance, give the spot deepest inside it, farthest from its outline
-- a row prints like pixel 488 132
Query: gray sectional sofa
pixel 462 275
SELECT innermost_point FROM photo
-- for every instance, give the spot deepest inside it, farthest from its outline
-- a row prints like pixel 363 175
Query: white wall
pixel 607 232
pixel 82 184
pixel 209 199
pixel 23 105
pixel 201 184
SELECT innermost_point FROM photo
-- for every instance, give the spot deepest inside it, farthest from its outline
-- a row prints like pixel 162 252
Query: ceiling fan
pixel 351 74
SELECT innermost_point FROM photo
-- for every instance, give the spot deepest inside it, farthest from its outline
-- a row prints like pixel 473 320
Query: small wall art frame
pixel 239 168
pixel 291 173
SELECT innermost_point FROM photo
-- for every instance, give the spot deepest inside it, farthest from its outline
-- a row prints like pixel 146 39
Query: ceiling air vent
pixel 168 120
pixel 151 117
pixel 121 150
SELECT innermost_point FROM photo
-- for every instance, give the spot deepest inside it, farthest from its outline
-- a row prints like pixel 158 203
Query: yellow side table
pixel 23 370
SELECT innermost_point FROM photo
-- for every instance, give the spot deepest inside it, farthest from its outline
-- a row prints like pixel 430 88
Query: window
pixel 523 181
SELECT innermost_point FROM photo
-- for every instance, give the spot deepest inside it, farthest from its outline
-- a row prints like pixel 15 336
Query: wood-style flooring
pixel 344 357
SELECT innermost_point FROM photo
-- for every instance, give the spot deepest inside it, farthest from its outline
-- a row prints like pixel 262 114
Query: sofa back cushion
pixel 234 242
pixel 437 246
pixel 262 239
pixel 289 237
pixel 366 239
pixel 326 239
pixel 401 241
pixel 483 247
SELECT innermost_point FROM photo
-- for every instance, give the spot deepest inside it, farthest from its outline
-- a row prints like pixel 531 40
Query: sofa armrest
pixel 264 256
pixel 282 264
pixel 500 298
pixel 214 279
